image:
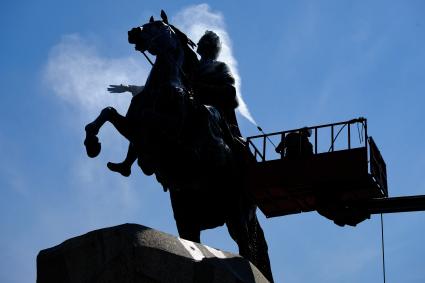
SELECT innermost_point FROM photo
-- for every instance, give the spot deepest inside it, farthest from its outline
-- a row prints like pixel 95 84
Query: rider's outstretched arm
pixel 134 89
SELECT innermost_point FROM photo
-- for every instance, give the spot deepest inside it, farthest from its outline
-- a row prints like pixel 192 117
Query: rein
pixel 169 57
pixel 147 58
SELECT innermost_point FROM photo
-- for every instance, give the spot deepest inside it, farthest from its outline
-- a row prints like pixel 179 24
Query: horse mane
pixel 191 60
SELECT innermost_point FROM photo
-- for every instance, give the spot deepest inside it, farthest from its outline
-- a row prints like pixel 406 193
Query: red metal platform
pixel 326 181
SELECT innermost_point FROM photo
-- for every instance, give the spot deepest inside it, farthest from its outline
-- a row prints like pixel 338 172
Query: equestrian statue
pixel 181 127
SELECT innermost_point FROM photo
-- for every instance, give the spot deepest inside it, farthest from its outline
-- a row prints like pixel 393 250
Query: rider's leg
pixel 124 168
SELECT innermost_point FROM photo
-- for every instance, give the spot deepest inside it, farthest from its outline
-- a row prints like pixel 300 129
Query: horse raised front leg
pixel 91 142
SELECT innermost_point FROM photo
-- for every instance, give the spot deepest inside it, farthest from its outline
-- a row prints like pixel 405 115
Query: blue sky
pixel 299 62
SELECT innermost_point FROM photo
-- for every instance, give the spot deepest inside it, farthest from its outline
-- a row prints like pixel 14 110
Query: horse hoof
pixel 93 146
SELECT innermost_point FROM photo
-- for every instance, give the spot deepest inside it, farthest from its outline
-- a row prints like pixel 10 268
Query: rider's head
pixel 209 45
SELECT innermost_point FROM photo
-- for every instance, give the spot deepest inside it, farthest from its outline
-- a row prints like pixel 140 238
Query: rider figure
pixel 213 85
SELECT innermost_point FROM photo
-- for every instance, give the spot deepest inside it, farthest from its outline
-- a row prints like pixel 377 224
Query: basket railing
pixel 259 143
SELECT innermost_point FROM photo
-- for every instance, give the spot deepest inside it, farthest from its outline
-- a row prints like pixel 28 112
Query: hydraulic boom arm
pixel 393 204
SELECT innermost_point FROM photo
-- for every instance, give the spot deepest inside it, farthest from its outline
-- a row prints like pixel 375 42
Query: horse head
pixel 155 36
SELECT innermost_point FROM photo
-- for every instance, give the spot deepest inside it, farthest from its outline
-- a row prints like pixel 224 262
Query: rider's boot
pixel 123 168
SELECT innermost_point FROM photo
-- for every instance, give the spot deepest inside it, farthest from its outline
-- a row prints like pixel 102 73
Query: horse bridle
pixel 153 39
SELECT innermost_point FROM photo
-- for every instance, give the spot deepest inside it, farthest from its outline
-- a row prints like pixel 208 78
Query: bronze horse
pixel 186 145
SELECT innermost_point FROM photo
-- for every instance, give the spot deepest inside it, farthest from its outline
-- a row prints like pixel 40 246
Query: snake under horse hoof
pixel 91 142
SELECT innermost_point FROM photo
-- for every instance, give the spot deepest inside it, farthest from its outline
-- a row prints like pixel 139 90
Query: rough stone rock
pixel 134 253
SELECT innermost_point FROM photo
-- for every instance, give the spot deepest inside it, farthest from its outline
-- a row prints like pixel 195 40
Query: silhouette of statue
pixel 296 144
pixel 213 84
pixel 200 169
